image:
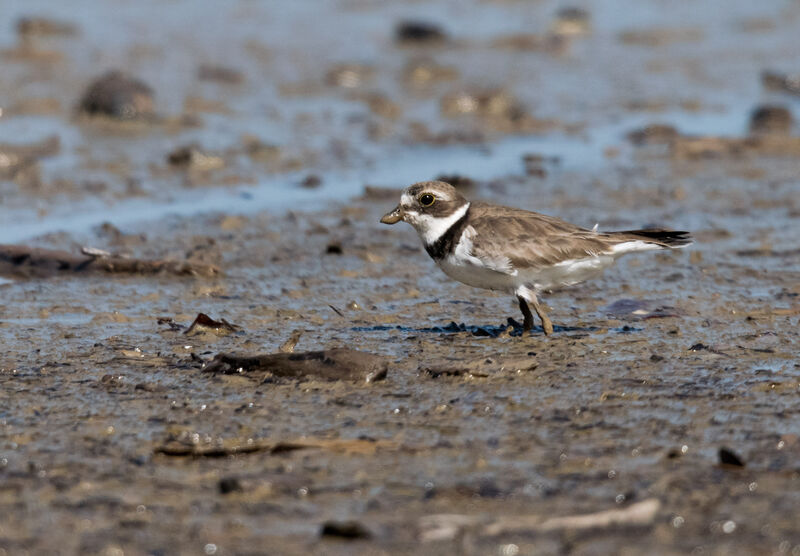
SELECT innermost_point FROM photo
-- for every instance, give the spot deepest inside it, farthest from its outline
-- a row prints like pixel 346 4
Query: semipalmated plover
pixel 514 250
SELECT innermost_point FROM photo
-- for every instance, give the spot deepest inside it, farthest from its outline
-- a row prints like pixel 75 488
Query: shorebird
pixel 513 250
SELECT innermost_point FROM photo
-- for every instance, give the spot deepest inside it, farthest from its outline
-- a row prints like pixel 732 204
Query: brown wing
pixel 528 239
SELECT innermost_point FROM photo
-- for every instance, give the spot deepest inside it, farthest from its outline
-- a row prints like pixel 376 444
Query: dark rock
pixel 345 529
pixel 311 181
pixel 329 364
pixel 334 249
pixel 227 485
pixel 729 457
pixel 418 32
pixel 118 95
pixel 771 119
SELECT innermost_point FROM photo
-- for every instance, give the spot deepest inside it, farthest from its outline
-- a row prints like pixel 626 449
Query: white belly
pixel 477 276
pixel 566 273
pixel 470 271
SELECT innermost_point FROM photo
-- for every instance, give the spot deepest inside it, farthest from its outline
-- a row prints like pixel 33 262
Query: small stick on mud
pixel 36 262
pixel 448 526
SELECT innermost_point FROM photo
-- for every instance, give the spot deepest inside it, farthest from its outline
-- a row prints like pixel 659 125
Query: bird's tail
pixel 656 237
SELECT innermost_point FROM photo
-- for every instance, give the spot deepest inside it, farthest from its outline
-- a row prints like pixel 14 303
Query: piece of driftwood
pixel 23 260
pixel 329 364
pixel 441 527
pixel 184 446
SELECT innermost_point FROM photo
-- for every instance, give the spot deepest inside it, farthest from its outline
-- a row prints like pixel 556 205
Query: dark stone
pixel 351 530
pixel 311 181
pixel 228 485
pixel 415 31
pixel 771 119
pixel 118 95
pixel 729 457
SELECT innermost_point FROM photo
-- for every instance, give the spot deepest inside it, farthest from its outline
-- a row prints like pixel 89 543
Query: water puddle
pixel 584 153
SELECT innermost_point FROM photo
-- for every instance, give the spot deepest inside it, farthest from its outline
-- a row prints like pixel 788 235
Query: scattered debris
pixel 192 157
pixel 311 181
pixel 329 364
pixel 443 527
pixel 120 96
pixel 25 261
pixel 193 444
pixel 419 32
pixel 95 252
pixel 730 458
pixel 170 323
pixel 289 345
pixel 203 323
pixel 345 529
pixel 334 249
pixel 770 118
pixel 228 485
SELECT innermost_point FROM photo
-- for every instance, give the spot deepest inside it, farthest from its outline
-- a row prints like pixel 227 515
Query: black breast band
pixel 443 246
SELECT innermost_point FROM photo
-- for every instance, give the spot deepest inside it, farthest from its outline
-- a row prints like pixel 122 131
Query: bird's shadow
pixel 510 328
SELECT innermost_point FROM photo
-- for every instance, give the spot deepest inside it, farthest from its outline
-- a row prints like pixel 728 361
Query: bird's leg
pixel 526 312
pixel 547 325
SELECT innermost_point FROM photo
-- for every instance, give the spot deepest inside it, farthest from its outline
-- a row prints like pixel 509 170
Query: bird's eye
pixel 426 200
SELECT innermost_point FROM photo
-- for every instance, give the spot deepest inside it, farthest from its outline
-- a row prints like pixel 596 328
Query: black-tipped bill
pixel 393 217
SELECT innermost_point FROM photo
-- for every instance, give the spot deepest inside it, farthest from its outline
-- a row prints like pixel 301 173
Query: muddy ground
pixel 259 168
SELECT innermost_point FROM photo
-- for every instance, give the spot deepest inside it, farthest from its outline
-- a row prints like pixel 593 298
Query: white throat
pixel 431 228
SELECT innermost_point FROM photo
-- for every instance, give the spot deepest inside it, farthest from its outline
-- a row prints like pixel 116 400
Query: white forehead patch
pixel 406 200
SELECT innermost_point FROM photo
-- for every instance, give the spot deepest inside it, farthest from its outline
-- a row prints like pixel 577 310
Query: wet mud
pixel 210 344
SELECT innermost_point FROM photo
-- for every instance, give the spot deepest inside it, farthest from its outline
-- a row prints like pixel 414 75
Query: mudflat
pixel 210 344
